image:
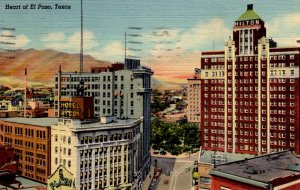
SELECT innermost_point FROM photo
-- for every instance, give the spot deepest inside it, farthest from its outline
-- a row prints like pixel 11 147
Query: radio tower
pixel 81 40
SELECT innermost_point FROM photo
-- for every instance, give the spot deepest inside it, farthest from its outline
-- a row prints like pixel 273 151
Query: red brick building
pixel 250 92
pixel 30 139
pixel 8 165
pixel 276 171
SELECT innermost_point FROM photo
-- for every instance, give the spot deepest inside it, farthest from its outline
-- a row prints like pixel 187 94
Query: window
pixel 292 72
pixel 205 180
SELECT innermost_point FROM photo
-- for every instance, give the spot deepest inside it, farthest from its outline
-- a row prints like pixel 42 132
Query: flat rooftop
pixel 207 156
pixel 27 184
pixel 261 169
pixel 41 121
pixel 95 124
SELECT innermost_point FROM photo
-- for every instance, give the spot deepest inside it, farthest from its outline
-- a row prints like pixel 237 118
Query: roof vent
pixel 250 170
pixel 250 7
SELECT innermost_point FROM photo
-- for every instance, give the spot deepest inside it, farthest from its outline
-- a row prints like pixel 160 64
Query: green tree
pixel 173 137
pixel 191 135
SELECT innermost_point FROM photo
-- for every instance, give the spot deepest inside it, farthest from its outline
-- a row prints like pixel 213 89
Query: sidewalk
pixel 148 180
pixel 168 155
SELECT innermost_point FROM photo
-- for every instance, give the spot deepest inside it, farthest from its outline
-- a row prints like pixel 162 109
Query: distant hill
pixel 43 64
pixel 164 85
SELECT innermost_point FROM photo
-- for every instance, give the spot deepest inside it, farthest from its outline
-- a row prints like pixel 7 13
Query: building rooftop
pixel 27 184
pixel 90 125
pixel 249 14
pixel 207 156
pixel 261 170
pixel 43 121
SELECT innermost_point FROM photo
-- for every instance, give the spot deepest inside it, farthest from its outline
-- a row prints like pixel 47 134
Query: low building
pixel 279 170
pixel 8 165
pixel 210 159
pixel 5 114
pixel 99 154
pixel 30 138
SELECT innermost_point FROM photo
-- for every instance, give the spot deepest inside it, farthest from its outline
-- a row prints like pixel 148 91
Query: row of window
pixel 105 138
pixel 63 161
pixel 88 79
pixel 63 150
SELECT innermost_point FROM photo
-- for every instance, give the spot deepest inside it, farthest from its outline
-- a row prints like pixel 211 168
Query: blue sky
pixel 173 31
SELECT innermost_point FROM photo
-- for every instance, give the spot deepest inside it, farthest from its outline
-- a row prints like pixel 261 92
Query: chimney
pixel 250 7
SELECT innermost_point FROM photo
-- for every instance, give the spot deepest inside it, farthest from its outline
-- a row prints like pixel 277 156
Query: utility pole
pixel 25 93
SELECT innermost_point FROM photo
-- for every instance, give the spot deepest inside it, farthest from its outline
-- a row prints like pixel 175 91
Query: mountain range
pixel 41 66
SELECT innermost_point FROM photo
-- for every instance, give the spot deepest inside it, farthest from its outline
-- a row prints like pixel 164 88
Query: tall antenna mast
pixel 125 47
pixel 81 40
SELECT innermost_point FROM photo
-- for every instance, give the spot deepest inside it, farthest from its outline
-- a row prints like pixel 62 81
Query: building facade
pixel 30 138
pixel 122 93
pixel 194 98
pixel 100 155
pixel 250 92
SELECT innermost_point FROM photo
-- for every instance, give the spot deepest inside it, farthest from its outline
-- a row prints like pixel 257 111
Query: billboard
pixel 61 179
pixel 69 110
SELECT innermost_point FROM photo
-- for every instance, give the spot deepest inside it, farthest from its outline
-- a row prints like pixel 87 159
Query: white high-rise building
pixel 121 93
pixel 100 155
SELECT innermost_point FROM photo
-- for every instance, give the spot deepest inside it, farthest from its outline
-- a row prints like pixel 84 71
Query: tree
pixel 173 137
pixel 191 135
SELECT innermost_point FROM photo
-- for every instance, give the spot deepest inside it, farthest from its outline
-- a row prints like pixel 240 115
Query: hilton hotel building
pixel 250 92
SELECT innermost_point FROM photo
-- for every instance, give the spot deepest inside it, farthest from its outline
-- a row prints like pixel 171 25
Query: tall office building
pixel 99 155
pixel 117 92
pixel 250 92
pixel 194 98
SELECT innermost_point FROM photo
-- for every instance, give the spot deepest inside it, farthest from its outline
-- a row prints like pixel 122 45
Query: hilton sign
pixel 247 23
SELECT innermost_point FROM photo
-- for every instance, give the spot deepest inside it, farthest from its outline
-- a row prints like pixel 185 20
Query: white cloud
pixel 205 33
pixel 70 44
pixel 21 41
pixel 178 63
pixel 55 36
pixel 285 30
pixel 113 52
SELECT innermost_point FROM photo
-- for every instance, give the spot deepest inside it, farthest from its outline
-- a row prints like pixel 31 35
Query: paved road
pixel 180 178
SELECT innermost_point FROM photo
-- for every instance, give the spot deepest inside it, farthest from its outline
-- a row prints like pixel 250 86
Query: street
pixel 180 170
